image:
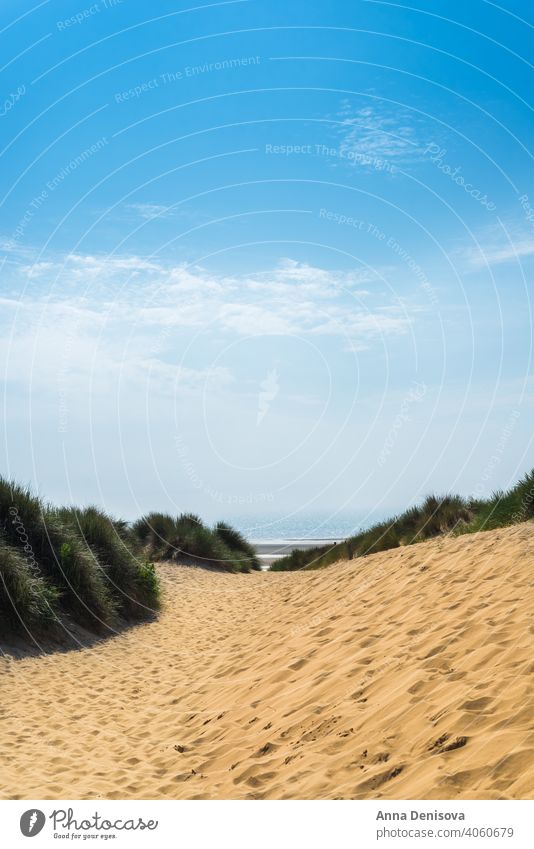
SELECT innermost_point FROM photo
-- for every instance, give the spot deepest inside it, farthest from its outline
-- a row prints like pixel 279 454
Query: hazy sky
pixel 266 257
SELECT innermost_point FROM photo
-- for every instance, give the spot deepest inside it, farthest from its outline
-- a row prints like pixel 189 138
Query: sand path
pixel 404 675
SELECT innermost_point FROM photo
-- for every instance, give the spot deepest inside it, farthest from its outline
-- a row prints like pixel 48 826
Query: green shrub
pixel 154 533
pixel 57 554
pixel 506 508
pixel 235 541
pixel 148 580
pixel 163 537
pixel 73 569
pixel 27 602
pixel 76 562
pixel 194 540
pixel 449 514
pixel 108 542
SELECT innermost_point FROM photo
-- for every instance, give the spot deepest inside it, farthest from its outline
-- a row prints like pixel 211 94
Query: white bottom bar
pixel 262 825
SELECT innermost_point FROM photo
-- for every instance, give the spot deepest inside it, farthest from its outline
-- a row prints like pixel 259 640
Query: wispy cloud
pixel 495 254
pixel 290 298
pixel 88 267
pixel 291 276
pixel 129 318
pixel 148 211
pixel 374 132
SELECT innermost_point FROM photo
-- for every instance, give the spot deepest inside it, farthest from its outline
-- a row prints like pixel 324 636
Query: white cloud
pixel 359 329
pixel 37 268
pixel 110 264
pixel 81 314
pixel 105 270
pixel 258 319
pixel 293 297
pixel 377 132
pixel 148 211
pixel 498 251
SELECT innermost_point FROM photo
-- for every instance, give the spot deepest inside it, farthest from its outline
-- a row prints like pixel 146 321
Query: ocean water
pixel 310 526
pixel 274 536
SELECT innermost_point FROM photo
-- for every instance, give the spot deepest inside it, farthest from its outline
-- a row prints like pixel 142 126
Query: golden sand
pixel 404 675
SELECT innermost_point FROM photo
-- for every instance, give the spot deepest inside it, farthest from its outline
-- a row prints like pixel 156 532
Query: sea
pixel 274 536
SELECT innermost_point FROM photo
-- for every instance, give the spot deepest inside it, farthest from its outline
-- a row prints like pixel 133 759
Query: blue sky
pixel 266 258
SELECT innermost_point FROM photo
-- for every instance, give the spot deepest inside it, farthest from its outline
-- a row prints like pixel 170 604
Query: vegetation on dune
pixel 97 570
pixel 449 514
pixel 153 532
pixel 131 579
pixel 26 599
pixel 506 508
pixel 86 566
pixel 187 538
pixel 66 562
pixel 235 540
pixel 55 553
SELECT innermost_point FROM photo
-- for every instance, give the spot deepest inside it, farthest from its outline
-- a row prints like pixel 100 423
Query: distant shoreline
pixel 268 551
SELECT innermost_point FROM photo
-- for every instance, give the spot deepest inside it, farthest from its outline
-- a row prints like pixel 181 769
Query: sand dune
pixel 404 675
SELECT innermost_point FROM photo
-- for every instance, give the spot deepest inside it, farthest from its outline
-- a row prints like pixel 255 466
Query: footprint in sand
pixel 478 705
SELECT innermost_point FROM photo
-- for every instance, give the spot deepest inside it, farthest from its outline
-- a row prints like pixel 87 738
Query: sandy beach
pixel 407 674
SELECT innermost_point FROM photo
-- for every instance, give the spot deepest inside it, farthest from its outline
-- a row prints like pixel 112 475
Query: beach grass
pixel 436 516
pixel 57 562
pixel 188 539
pixel 130 577
pixel 27 600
